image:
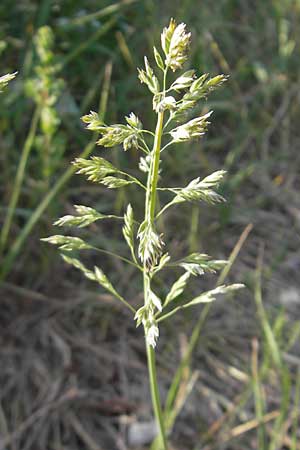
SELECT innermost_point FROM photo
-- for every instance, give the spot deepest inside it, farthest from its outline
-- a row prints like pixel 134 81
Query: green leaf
pixel 177 288
pixel 67 243
pixel 85 216
pixel 128 229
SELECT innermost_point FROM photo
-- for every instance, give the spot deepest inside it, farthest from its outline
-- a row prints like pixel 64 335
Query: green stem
pixel 132 178
pixel 155 395
pixel 150 205
pixel 121 258
pixel 19 178
pixel 153 174
pixel 119 297
pixel 172 202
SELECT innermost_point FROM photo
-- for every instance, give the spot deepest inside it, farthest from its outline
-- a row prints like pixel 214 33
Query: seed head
pixel 175 42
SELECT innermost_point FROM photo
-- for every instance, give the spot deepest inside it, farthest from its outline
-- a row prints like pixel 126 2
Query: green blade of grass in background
pixel 271 437
pixel 275 353
pixel 19 179
pixel 86 44
pixel 295 414
pixel 269 335
pixel 64 178
pixel 258 397
pixel 110 9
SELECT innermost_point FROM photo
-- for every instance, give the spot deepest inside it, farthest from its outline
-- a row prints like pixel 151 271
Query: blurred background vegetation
pixel 72 366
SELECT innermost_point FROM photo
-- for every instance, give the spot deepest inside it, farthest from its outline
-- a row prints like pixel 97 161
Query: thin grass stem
pixel 150 204
pixel 115 255
pixel 155 395
pixel 19 179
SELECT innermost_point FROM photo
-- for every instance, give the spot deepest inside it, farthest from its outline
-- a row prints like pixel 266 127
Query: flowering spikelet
pixel 152 334
pixel 146 316
pixel 4 80
pixel 192 129
pixel 151 244
pixel 175 43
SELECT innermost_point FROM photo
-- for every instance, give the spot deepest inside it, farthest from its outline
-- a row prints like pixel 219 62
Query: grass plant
pixel 256 141
pixel 175 104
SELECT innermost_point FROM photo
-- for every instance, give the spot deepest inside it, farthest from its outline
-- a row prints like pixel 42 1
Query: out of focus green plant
pixel 174 104
pixel 45 88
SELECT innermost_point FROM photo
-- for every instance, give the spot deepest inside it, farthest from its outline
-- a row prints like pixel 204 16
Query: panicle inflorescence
pixel 172 104
pixel 45 87
pixel 47 91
